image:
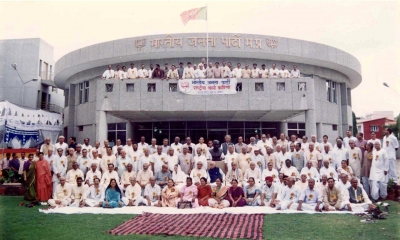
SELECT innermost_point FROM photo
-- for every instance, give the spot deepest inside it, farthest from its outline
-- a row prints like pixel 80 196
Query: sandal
pixel 21 204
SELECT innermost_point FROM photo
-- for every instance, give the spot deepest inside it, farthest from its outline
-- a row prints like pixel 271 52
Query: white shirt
pixel 72 175
pixel 340 154
pixel 177 148
pixel 238 72
pixel 263 72
pixel 188 73
pixel 295 73
pixel 256 174
pixel 89 149
pixel 273 73
pixel 329 172
pixel 152 192
pixel 158 160
pixel 60 165
pixel 267 173
pixel 108 74
pixel 84 163
pixel 201 159
pixel 380 163
pixel 311 173
pixel 229 158
pixel 107 176
pixel 291 172
pixel 255 72
pixel 200 73
pixel 172 161
pixel 132 192
pixel 143 73
pixel 94 193
pixel 64 147
pixel 122 163
pixel 284 73
pixel 143 159
pixel 135 156
pixel 150 73
pixel 196 174
pixel 142 146
pixel 132 73
pixel 90 176
pixel 123 75
pixel 389 144
pixel 346 141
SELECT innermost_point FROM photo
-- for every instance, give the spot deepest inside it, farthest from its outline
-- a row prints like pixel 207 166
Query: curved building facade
pixel 111 109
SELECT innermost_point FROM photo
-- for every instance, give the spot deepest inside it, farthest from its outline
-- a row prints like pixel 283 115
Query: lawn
pixel 27 223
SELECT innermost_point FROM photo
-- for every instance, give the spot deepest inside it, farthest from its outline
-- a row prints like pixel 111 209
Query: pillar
pixel 319 132
pixel 129 130
pixel 284 129
pixel 311 125
pixel 101 126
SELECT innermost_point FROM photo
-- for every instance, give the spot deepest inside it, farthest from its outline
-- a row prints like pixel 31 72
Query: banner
pixel 194 14
pixel 208 86
pixel 22 135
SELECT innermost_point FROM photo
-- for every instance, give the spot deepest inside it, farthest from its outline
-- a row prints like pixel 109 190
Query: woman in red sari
pixel 43 179
pixel 204 192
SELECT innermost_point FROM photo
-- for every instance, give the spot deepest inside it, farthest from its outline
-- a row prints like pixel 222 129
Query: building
pixel 32 60
pixel 367 126
pixel 111 109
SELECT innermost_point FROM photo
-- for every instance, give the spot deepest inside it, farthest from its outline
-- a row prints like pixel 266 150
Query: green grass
pixel 27 223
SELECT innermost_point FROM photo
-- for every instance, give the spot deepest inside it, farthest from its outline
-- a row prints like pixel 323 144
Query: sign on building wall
pixel 207 86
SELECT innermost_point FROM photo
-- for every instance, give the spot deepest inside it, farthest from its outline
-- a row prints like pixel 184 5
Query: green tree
pixel 355 131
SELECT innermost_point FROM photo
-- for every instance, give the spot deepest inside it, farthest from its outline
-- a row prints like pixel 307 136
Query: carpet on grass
pixel 196 225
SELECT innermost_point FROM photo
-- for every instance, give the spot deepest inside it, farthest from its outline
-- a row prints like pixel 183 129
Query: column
pixel 129 130
pixel 311 126
pixel 319 132
pixel 284 129
pixel 101 126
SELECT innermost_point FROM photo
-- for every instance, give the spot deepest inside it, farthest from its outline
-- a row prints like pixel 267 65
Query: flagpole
pixel 207 33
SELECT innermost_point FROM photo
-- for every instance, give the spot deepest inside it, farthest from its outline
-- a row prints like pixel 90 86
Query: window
pixel 259 87
pixel 374 128
pixel 151 87
pixel 359 128
pixel 130 87
pixel 328 90
pixel 109 87
pixel 40 67
pixel 280 86
pixel 297 128
pixel 54 89
pixel 81 93
pixel 80 128
pixel 116 131
pixel 302 86
pixel 334 92
pixel 334 127
pixel 173 87
pixel 239 87
pixel 86 85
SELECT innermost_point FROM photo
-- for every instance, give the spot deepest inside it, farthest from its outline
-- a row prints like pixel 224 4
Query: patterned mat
pixel 248 226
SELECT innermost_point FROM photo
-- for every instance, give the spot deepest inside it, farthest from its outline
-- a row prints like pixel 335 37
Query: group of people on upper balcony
pixel 199 71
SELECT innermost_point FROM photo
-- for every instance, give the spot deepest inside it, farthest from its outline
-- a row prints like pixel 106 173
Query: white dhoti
pixel 213 202
pixel 267 201
pixel 378 188
pixel 358 207
pixel 310 206
pixel 155 203
pixel 392 168
pixel 53 203
pixel 92 202
pixel 136 202
pixel 75 203
pixel 284 205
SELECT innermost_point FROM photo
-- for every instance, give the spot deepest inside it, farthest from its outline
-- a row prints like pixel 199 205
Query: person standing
pixel 391 145
pixel 43 179
pixel 30 179
pixel 366 167
pixel 379 173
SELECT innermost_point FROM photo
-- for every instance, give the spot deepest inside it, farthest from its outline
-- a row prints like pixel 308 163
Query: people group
pixel 284 172
pixel 199 71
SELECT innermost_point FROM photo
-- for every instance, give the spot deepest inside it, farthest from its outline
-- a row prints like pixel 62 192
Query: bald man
pixel 199 172
pixel 47 146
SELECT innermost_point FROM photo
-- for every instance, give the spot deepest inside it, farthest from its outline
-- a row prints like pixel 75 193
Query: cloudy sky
pixel 368 30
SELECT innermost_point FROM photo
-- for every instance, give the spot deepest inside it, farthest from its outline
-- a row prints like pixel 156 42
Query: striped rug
pixel 248 226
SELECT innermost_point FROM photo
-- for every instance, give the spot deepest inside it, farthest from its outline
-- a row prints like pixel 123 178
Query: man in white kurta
pixel 341 153
pixel 282 156
pixel 144 175
pixel 158 160
pixel 84 161
pixel 95 195
pixel 92 174
pixel 273 72
pixel 230 157
pixel 135 155
pixel 289 170
pixel 255 71
pixel 188 72
pixel 204 149
pixel 284 73
pixel 357 199
pixel 172 159
pixel 61 144
pixel 109 73
pixel 133 194
pixel 122 162
pixel 349 136
pixel 253 172
pixel 270 172
pixel 234 173
pixel 96 159
pixel 271 157
pixel 258 159
pixel 314 156
pixel 379 172
pixel 142 144
pixel 328 155
pixel 177 146
pixel 295 73
pixel 263 73
pixel 302 184
pixel 310 171
pixel 61 194
pixel 244 160
pixel 198 172
pixel 144 159
pixel 73 174
pixel 59 167
pixel 199 157
pixel 268 190
pixel 290 194
pixel 77 193
pixel 201 72
pixel 390 144
pixel 107 159
pixel 152 193
pixel 108 175
pixel 310 198
pixel 343 184
pixel 328 170
pixel 355 157
pixel 126 175
pixel 132 72
pixel 142 72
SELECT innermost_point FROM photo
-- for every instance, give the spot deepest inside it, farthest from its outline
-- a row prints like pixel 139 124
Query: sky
pixel 369 30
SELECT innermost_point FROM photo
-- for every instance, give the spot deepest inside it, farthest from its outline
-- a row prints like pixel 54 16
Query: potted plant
pixel 390 189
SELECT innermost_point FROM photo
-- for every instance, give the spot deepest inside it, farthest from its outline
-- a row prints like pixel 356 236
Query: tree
pixel 355 131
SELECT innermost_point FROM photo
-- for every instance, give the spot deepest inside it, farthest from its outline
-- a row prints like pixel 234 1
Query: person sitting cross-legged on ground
pixel 219 192
pixel 310 198
pixel 290 194
pixel 170 194
pixel 332 196
pixel 188 193
pixel 77 192
pixel 113 195
pixel 204 192
pixel 152 193
pixel 61 194
pixel 356 198
pixel 267 192
pixel 95 195
pixel 235 195
pixel 133 194
pixel 251 192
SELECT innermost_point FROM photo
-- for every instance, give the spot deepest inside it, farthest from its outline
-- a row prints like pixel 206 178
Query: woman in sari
pixel 188 193
pixel 30 180
pixel 169 194
pixel 179 177
pixel 218 194
pixel 251 193
pixel 235 195
pixel 345 169
pixel 113 195
pixel 204 192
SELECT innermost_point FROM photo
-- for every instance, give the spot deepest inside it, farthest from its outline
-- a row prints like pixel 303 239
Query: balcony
pixel 47 75
pixel 51 107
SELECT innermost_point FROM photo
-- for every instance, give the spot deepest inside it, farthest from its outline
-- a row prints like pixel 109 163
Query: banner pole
pixel 207 32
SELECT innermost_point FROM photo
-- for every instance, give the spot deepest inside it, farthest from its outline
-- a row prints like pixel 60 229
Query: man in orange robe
pixel 43 179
